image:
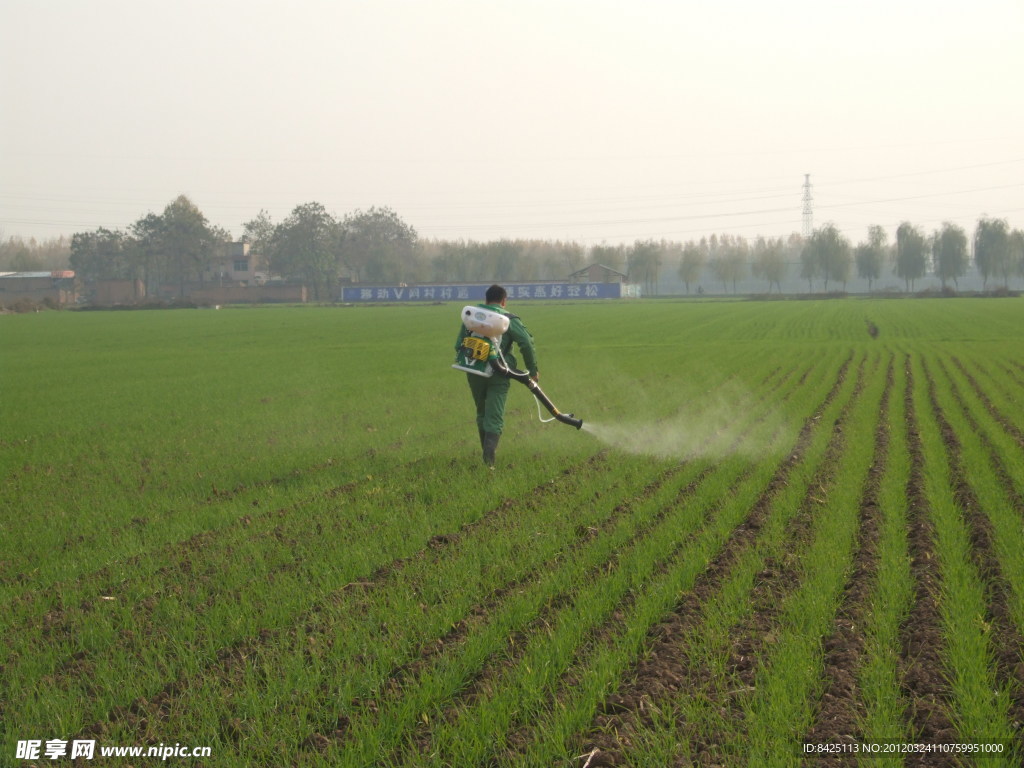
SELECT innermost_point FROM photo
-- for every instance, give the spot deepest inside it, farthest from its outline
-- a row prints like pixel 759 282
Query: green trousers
pixel 489 395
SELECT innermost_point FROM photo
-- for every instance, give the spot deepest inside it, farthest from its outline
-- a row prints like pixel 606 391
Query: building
pixel 235 265
pixel 57 288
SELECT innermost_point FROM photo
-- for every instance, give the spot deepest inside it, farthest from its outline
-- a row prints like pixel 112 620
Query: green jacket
pixel 516 333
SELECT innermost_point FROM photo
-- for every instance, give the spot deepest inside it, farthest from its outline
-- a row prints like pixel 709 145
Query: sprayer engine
pixel 483 342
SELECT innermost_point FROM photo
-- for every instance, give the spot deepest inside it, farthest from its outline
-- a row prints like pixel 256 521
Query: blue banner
pixel 475 293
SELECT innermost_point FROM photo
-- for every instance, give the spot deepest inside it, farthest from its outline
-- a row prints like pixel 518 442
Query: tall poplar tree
pixel 911 254
pixel 949 249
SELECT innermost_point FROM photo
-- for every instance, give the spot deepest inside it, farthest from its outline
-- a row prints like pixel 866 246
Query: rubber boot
pixel 490 446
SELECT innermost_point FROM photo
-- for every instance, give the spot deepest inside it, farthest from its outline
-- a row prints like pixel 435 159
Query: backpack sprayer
pixel 480 354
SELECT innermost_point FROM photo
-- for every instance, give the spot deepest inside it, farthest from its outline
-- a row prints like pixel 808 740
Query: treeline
pixel 320 250
pixel 19 255
pixel 176 246
pixel 946 253
pixel 310 246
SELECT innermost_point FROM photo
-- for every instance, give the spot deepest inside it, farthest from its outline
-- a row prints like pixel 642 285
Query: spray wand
pixel 524 378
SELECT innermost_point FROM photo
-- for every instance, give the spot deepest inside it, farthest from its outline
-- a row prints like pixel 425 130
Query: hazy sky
pixel 587 120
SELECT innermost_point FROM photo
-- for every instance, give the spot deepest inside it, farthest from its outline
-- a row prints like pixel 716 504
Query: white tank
pixel 484 322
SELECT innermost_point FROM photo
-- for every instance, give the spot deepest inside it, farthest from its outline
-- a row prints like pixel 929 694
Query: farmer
pixel 489 393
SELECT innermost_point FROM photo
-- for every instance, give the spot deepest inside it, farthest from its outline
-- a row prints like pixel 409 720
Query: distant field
pixel 268 532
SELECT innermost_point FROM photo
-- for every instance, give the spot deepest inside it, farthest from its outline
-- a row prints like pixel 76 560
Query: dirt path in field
pixel 924 685
pixel 665 669
pixel 841 707
pixel 1007 642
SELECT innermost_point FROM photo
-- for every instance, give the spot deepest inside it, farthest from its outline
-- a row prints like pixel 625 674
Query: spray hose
pixel 524 378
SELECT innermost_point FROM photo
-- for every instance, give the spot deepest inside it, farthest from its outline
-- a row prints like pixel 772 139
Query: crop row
pixel 521 623
pixel 709 644
pixel 935 653
pixel 77 656
pixel 831 554
pixel 342 613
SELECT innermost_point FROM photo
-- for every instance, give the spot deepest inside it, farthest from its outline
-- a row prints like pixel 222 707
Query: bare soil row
pixel 666 668
pixel 1008 642
pixel 841 706
pixel 484 679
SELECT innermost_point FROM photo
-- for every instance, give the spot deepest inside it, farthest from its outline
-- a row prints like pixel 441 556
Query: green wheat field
pixel 790 533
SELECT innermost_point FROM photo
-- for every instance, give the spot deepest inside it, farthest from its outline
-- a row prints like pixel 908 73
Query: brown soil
pixel 923 682
pixel 665 669
pixel 998 460
pixel 754 635
pixel 1007 642
pixel 841 707
pixel 1005 423
pixel 483 683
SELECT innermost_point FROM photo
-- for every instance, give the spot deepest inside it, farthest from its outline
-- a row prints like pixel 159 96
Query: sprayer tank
pixel 484 322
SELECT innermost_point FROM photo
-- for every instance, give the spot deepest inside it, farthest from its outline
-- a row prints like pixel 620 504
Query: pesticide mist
pixel 718 425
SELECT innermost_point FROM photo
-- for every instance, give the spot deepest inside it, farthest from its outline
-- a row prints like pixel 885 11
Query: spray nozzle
pixel 567 418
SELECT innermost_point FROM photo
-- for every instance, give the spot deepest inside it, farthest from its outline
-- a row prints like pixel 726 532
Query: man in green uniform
pixel 489 393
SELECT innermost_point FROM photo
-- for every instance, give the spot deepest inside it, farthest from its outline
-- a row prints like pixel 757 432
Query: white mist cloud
pixel 719 424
